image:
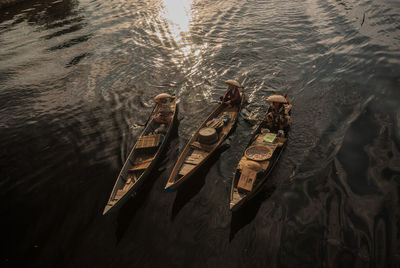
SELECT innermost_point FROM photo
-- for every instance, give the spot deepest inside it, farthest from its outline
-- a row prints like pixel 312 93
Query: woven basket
pixel 258 153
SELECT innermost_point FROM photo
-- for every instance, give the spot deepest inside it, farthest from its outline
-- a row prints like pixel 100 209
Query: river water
pixel 76 85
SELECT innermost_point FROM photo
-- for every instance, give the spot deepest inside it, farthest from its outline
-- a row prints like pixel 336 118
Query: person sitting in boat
pixel 232 95
pixel 163 112
pixel 277 117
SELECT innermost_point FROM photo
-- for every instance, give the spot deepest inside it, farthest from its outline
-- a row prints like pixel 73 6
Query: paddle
pixel 243 84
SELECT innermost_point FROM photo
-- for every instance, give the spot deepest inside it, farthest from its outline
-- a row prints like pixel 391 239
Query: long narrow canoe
pixel 195 154
pixel 141 159
pixel 258 160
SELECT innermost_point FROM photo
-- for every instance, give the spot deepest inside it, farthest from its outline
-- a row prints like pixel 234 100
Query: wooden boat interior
pixel 145 151
pixel 253 170
pixel 250 174
pixel 195 152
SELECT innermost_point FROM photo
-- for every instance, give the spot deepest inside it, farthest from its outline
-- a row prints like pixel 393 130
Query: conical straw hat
pixel 162 96
pixel 277 98
pixel 233 83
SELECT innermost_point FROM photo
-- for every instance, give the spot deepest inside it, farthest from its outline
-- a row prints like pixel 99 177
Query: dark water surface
pixel 76 85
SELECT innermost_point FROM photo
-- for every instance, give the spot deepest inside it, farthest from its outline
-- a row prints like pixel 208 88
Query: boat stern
pixel 107 209
pixel 171 187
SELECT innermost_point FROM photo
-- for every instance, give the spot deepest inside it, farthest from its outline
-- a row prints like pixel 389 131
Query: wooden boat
pixel 261 155
pixel 196 152
pixel 143 156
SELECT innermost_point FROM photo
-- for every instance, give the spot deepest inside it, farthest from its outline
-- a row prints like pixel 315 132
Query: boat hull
pixel 193 146
pixel 114 203
pixel 240 195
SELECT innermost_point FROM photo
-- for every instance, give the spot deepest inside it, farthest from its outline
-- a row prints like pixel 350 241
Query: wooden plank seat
pixel 186 168
pixel 141 164
pixel 148 141
pixel 142 159
pixel 247 179
pixel 196 157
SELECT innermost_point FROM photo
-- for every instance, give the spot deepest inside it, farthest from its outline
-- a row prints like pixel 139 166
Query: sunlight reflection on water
pixel 77 81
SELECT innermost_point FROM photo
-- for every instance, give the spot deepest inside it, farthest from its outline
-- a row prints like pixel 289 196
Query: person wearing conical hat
pixel 277 117
pixel 163 102
pixel 163 112
pixel 232 95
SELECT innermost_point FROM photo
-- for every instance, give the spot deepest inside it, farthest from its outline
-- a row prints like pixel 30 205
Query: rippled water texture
pixel 76 85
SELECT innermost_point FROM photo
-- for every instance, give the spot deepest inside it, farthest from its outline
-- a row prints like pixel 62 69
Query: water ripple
pixel 77 80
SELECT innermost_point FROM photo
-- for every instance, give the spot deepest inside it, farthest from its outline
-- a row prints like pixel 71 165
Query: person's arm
pixel 225 96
